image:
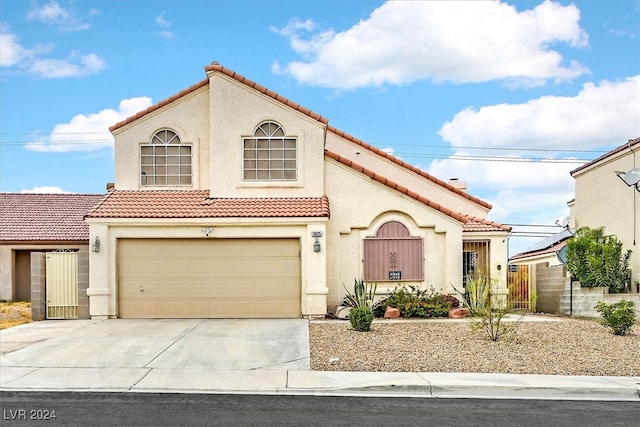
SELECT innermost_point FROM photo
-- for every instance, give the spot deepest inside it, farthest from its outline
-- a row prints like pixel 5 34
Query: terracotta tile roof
pixel 197 204
pixel 160 104
pixel 623 147
pixel 220 69
pixel 481 225
pixel 408 166
pixel 28 217
pixel 471 223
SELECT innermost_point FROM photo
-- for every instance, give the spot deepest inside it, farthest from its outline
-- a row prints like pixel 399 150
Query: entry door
pixel 62 285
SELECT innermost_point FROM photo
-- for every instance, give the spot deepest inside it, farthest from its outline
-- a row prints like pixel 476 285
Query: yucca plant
pixel 477 294
pixel 363 295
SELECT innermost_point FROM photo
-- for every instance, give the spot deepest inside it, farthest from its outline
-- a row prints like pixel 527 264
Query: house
pixel 539 270
pixel 602 199
pixel 38 233
pixel 231 200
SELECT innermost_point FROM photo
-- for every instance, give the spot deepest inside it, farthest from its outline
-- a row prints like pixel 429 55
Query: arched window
pixel 269 155
pixel 165 160
pixel 393 254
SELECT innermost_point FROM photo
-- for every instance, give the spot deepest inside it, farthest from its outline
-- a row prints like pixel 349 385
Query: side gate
pixel 61 285
pixel 518 285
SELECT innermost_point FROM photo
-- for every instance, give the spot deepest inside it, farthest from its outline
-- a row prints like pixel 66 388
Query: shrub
pixel 619 316
pixel 361 318
pixel 425 309
pixel 597 260
pixel 488 315
pixel 363 295
pixel 413 301
pixel 453 301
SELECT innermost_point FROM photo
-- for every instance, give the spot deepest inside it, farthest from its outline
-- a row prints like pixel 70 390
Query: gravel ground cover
pixel 557 346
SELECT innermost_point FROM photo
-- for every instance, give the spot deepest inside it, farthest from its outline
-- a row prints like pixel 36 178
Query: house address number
pixel 395 275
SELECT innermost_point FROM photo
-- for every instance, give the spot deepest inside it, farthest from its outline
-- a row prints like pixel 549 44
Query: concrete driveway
pixel 202 344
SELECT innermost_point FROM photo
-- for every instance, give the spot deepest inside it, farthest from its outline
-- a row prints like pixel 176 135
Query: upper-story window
pixel 269 155
pixel 165 160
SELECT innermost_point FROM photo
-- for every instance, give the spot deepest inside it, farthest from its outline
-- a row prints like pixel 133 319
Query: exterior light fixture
pixel 316 246
pixel 631 178
pixel 207 231
pixel 96 245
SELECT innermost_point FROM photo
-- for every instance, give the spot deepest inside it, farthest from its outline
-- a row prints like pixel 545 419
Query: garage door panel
pixel 209 278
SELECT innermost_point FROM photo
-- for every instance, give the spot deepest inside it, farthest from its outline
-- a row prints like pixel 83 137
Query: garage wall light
pixel 96 245
pixel 316 246
pixel 207 231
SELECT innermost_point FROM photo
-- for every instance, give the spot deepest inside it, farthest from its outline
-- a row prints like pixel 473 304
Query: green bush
pixel 597 260
pixel 619 316
pixel 361 318
pixel 413 301
pixel 425 309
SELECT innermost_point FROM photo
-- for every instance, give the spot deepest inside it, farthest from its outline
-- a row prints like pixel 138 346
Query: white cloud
pixel 34 61
pixel 73 66
pixel 599 115
pixel 46 190
pixel 11 52
pixel 88 132
pixel 54 14
pixel 163 23
pixel 473 41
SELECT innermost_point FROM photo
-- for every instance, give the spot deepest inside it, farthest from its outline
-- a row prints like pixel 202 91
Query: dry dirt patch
pixel 566 347
pixel 13 313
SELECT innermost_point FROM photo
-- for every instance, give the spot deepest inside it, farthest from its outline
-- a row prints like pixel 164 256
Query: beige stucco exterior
pixel 604 200
pixel 215 118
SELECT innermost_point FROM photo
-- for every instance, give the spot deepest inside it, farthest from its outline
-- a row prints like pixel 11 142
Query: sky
pixel 508 97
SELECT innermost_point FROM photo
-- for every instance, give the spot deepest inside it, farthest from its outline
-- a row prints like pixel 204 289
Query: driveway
pixel 202 344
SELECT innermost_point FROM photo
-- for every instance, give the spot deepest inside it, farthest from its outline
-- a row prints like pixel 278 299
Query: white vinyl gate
pixel 62 285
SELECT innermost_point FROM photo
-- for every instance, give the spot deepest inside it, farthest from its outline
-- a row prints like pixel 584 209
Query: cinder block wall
pixel 83 283
pixel 580 302
pixel 38 281
pixel 38 285
pixel 550 282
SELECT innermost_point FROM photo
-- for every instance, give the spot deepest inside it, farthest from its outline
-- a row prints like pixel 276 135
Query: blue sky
pixel 506 96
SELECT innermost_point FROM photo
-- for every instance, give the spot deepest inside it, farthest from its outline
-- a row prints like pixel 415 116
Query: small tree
pixel 597 260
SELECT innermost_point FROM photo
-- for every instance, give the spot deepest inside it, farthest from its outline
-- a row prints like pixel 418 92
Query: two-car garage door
pixel 208 278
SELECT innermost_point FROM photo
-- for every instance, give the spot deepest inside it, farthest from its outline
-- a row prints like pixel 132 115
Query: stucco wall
pixel 189 117
pixel 359 206
pixel 7 262
pixel 235 113
pixel 602 199
pixel 404 177
pixel 103 289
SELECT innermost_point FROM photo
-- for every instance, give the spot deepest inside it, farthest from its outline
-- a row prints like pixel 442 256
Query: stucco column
pixel 314 250
pixel 99 291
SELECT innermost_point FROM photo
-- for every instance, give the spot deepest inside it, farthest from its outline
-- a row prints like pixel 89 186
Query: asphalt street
pixel 143 409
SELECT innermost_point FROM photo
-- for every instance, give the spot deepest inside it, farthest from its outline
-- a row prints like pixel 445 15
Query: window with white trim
pixel 269 155
pixel 165 160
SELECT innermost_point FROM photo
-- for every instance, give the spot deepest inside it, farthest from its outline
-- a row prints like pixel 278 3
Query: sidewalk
pixel 155 377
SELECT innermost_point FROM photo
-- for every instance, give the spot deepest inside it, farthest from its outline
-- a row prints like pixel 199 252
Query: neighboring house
pixel 602 199
pixel 233 201
pixel 540 270
pixel 33 226
pixel 546 250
